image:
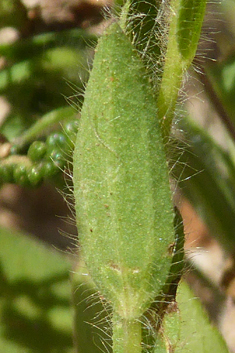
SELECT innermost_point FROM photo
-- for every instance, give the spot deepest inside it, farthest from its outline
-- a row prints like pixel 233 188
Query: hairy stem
pixel 172 76
pixel 126 335
pixel 185 21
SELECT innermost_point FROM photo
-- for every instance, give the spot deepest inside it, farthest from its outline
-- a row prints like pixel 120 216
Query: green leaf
pixel 186 328
pixel 121 185
pixel 35 311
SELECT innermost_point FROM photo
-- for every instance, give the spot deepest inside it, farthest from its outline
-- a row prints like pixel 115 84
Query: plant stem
pixel 55 116
pixel 172 76
pixel 185 19
pixel 126 335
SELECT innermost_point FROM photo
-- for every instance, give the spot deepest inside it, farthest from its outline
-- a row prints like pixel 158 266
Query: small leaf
pixel 186 328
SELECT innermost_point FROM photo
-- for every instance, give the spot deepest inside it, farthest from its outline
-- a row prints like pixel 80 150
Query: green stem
pixel 55 116
pixel 172 75
pixel 185 19
pixel 126 335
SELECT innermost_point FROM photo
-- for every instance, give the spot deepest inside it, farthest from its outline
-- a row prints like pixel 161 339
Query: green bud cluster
pixel 43 159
